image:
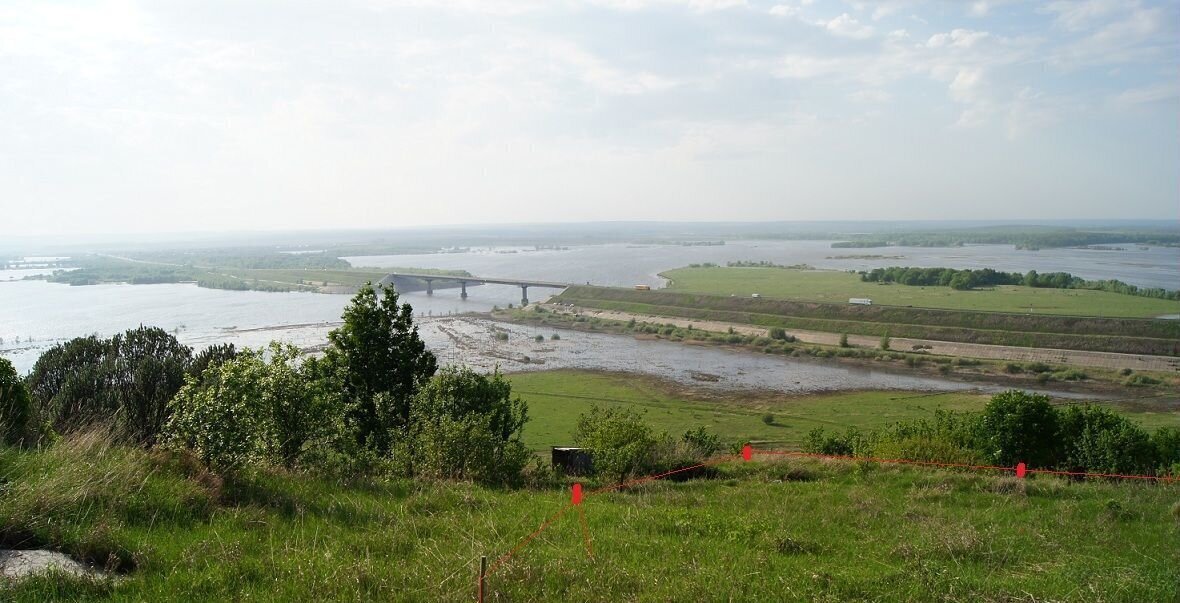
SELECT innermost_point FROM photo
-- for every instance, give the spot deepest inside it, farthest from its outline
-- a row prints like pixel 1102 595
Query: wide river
pixel 35 315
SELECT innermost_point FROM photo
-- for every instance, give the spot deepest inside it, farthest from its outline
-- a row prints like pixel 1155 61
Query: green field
pixel 762 531
pixel 557 398
pixel 1109 334
pixel 837 287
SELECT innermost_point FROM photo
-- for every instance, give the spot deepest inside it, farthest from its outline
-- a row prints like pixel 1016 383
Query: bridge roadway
pixel 463 280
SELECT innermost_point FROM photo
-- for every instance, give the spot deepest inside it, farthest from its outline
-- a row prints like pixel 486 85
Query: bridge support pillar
pixel 429 286
pixel 524 295
pixel 463 290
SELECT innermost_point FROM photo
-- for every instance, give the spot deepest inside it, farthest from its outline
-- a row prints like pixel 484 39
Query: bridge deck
pixel 483 279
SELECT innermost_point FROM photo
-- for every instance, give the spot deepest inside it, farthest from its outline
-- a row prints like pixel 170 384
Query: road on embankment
pixel 1107 360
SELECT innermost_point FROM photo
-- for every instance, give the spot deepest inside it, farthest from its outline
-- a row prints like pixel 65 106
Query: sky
pixel 210 115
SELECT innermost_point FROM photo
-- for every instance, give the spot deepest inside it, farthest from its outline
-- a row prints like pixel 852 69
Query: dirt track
pixel 1108 360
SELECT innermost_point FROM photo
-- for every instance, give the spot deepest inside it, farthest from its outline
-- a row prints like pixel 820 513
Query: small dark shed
pixel 572 461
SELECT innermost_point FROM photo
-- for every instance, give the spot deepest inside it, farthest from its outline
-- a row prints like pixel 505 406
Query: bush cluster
pixel 622 445
pixel 1018 427
pixel 373 402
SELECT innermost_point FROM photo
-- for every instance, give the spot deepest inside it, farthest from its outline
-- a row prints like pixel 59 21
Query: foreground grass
pixel 837 287
pixel 557 398
pixel 756 532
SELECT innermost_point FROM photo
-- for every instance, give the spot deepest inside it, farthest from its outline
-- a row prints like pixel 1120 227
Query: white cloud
pixel 1155 93
pixel 784 10
pixel 871 96
pixel 1082 14
pixel 956 38
pixel 846 26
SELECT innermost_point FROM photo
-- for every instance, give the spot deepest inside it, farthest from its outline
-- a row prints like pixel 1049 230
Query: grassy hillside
pixel 761 531
pixel 557 398
pixel 838 287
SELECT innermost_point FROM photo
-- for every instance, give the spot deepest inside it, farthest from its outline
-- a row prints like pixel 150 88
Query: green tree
pixel 380 363
pixel 885 341
pixel 620 443
pixel 1016 426
pixel 16 408
pixel 468 426
pixel 844 340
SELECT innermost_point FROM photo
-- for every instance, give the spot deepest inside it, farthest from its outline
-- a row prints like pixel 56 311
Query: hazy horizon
pixel 134 117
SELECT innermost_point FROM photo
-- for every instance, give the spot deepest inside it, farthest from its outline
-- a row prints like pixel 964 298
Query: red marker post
pixel 576 494
pixel 747 452
pixel 1021 470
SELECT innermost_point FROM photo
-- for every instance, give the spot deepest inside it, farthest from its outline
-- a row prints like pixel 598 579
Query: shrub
pixel 1016 426
pixel 620 443
pixel 1070 375
pixel 778 333
pixel 539 338
pixel 884 342
pixel 501 336
pixel 1013 368
pixel 1140 381
pixel 1098 440
pixel 768 419
pixel 851 442
pixel 555 337
pixel 1037 367
pixel 1126 372
pixel 467 426
pixel 16 408
pixel 1167 449
pixel 701 442
pixel 843 340
pixel 130 376
pixel 249 409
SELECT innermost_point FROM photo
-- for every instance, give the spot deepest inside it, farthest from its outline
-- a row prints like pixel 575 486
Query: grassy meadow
pixel 837 287
pixel 759 531
pixel 557 398
pixel 773 529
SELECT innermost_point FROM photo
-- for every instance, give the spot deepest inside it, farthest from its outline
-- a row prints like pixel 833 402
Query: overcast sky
pixel 223 114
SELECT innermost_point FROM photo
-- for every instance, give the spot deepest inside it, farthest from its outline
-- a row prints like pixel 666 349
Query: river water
pixel 35 315
pixel 625 265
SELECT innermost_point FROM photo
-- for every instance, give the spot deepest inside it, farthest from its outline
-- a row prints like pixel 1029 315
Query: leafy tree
pixel 380 363
pixel 885 341
pixel 468 426
pixel 1016 426
pixel 16 408
pixel 620 443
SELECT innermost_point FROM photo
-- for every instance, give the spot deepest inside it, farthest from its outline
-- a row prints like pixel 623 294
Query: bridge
pixel 480 280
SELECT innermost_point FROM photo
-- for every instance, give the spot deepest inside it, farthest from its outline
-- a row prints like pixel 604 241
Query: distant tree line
pixel 986 277
pixel 1023 237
